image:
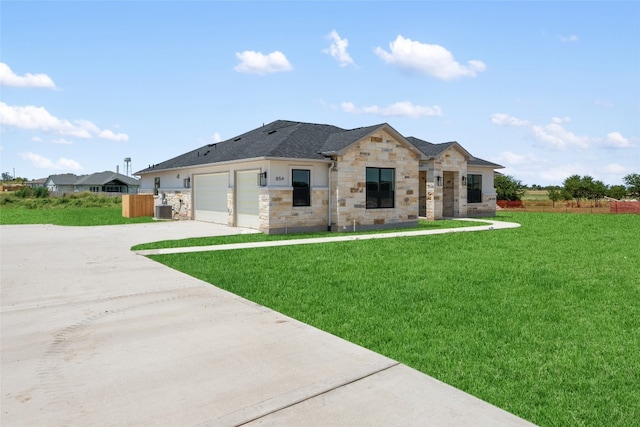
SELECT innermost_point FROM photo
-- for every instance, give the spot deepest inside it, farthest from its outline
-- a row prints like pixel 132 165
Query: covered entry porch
pixel 442 194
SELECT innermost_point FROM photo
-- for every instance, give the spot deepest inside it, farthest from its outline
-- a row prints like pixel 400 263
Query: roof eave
pixel 230 162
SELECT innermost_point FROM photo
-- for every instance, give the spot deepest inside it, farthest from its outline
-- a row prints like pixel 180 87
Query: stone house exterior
pixel 287 177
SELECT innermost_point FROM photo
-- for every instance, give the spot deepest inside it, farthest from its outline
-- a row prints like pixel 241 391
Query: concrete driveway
pixel 94 334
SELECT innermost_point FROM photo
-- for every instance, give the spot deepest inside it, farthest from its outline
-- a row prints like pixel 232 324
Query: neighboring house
pixel 61 183
pixel 290 176
pixel 101 182
pixel 36 183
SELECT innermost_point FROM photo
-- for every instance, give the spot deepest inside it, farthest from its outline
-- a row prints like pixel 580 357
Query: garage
pixel 210 197
pixel 247 199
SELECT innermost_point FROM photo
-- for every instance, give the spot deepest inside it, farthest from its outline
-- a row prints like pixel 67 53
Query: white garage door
pixel 210 197
pixel 247 199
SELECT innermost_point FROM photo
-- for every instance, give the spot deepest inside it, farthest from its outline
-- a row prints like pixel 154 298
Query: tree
pixel 6 176
pixel 508 188
pixel 555 194
pixel 596 190
pixel 633 184
pixel 574 187
pixel 617 192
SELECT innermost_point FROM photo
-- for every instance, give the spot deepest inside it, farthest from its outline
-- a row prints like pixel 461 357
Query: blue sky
pixel 546 89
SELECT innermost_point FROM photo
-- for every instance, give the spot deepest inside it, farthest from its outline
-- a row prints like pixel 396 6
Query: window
pixel 186 183
pixel 301 180
pixel 474 188
pixel 380 188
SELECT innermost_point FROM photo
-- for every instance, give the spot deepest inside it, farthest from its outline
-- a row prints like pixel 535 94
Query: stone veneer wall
pixel 278 215
pixel 180 203
pixel 486 208
pixel 433 192
pixel 378 150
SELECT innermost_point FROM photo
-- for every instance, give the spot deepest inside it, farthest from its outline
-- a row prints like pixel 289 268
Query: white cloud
pixel 430 59
pixel 9 78
pixel 107 134
pixel 257 63
pixel 36 139
pixel 62 141
pixel 555 136
pixel 614 168
pixel 399 109
pixel 338 49
pixel 38 118
pixel 216 137
pixel 616 140
pixel 508 158
pixel 569 39
pixel 43 163
pixel 501 119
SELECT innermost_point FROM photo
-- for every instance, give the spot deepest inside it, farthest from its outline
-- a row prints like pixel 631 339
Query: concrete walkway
pixel 93 334
pixel 490 225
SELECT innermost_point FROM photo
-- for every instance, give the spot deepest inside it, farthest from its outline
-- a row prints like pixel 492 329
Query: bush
pixel 24 192
pixel 40 192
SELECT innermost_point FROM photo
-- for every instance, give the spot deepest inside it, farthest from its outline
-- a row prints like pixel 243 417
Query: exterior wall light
pixel 464 181
pixel 262 179
pixel 439 179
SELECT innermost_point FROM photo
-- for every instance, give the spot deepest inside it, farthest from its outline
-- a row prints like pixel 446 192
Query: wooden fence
pixel 135 205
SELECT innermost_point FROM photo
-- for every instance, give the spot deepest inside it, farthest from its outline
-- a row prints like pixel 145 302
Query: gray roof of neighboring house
pixel 283 139
pixel 63 179
pixel 102 178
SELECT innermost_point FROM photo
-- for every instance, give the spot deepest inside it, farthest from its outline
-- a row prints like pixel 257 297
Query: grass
pixel 542 320
pixel 77 209
pixel 535 195
pixel 260 237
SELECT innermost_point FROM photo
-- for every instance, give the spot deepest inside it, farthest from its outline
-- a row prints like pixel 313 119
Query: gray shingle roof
pixel 283 139
pixel 102 178
pixel 479 162
pixel 340 140
pixel 64 179
pixel 433 150
pixel 428 148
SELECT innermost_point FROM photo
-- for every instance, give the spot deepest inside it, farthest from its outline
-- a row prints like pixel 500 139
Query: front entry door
pixel 448 195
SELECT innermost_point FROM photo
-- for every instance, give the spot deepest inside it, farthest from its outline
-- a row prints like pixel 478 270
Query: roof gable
pixel 436 150
pixel 102 178
pixel 63 179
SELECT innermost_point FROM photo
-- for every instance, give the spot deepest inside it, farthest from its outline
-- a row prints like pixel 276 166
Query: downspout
pixel 329 213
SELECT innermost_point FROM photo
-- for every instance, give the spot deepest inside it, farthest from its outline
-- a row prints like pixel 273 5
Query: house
pixel 101 182
pixel 289 176
pixel 61 183
pixel 35 183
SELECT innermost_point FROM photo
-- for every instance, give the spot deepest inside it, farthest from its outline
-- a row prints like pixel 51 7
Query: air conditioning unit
pixel 164 212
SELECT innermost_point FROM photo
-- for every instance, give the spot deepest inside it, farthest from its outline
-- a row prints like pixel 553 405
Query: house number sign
pixel 279 178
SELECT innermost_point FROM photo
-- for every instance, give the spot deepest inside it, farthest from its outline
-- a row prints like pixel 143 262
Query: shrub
pixel 41 192
pixel 24 192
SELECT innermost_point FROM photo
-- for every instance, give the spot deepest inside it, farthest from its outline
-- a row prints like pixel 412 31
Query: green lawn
pixel 543 320
pixel 67 215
